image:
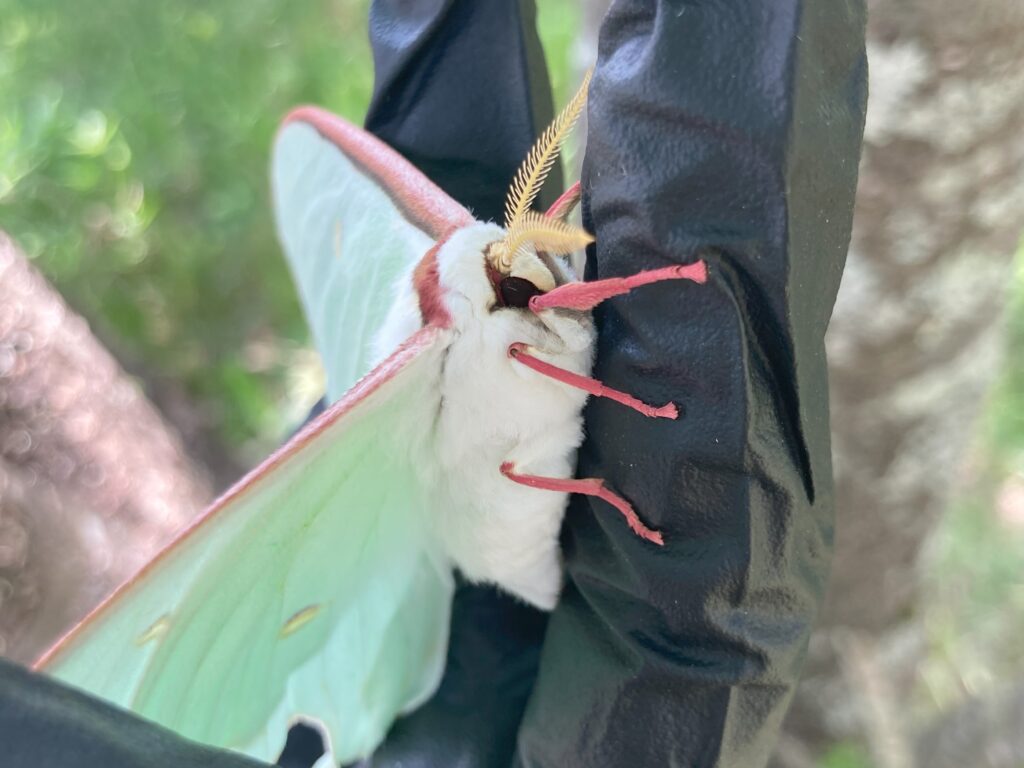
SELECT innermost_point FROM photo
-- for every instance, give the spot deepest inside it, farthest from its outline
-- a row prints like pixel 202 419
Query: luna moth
pixel 458 357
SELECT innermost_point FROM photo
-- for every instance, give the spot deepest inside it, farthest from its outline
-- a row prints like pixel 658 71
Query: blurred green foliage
pixel 974 573
pixel 133 155
pixel 134 140
pixel 846 756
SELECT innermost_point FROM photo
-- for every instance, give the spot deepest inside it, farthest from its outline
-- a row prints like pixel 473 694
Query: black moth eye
pixel 517 292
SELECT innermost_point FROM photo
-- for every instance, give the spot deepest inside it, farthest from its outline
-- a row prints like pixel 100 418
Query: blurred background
pixel 134 140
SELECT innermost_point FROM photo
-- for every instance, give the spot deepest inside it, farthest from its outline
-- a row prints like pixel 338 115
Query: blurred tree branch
pixel 92 481
pixel 917 332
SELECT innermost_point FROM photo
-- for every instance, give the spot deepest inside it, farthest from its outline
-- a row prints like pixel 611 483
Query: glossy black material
pixel 730 131
pixel 462 91
pixel 46 725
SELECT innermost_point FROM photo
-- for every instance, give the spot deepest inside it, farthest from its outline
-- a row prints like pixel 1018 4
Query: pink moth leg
pixel 589 295
pixel 518 351
pixel 585 296
pixel 588 487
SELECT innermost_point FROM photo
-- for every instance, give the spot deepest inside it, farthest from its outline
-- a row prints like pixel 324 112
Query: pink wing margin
pixel 421 201
pixel 426 206
pixel 409 351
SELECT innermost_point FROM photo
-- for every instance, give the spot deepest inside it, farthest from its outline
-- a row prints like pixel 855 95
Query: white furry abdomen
pixel 495 410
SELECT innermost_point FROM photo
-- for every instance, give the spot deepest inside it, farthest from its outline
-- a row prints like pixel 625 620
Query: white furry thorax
pixel 492 410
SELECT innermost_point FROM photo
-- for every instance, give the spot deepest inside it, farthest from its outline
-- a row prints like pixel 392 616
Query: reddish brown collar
pixel 426 280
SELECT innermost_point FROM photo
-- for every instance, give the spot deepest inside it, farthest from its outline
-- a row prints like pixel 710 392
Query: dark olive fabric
pixel 730 131
pixel 461 89
pixel 47 725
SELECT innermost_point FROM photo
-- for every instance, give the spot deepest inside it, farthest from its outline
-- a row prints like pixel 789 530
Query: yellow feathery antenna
pixel 524 226
pixel 552 236
pixel 532 173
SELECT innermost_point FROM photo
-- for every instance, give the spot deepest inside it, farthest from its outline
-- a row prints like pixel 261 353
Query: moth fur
pixel 492 409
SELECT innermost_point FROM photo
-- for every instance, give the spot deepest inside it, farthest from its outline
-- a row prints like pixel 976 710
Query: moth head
pixel 522 264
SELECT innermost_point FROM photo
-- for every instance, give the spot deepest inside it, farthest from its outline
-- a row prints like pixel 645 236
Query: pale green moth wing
pixel 314 589
pixel 353 216
pixel 311 591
